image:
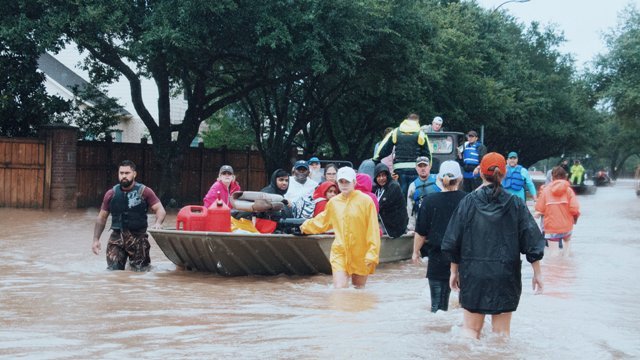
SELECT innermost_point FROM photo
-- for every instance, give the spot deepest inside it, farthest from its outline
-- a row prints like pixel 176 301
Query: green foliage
pixel 223 130
pixel 24 103
pixel 616 83
pixel 618 71
pixel 98 119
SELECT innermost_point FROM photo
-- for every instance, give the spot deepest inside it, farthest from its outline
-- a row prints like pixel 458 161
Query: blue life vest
pixel 128 209
pixel 471 155
pixel 423 188
pixel 514 179
pixel 470 159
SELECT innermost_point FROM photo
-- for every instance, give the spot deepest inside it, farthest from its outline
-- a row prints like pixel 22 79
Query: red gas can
pixel 192 218
pixel 219 217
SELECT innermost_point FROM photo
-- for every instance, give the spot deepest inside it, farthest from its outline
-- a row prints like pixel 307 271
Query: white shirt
pixel 296 190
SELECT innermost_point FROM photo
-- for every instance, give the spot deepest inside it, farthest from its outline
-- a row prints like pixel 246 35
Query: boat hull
pixel 232 254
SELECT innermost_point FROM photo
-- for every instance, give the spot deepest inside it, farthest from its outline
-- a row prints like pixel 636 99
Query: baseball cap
pixel 347 173
pixel 314 160
pixel 225 168
pixel 512 154
pixel 437 120
pixel 473 132
pixel 422 160
pixel 450 168
pixel 301 163
pixel 492 160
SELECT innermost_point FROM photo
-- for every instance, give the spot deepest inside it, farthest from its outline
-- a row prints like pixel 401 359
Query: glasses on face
pixel 330 174
pixel 471 136
pixel 226 173
pixel 513 157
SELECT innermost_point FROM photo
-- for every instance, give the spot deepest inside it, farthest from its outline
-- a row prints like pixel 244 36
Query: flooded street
pixel 57 301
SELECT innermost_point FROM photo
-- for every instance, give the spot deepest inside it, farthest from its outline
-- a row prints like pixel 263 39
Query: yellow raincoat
pixel 355 223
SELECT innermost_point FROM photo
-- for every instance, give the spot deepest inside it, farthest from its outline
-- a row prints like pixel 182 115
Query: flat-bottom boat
pixel 233 254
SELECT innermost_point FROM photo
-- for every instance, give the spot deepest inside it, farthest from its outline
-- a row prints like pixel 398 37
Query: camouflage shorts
pixel 133 245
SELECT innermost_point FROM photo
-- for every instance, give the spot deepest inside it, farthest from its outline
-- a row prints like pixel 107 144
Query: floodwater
pixel 57 301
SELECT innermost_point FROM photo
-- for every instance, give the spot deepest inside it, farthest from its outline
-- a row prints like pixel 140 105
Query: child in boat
pixel 356 247
pixel 323 193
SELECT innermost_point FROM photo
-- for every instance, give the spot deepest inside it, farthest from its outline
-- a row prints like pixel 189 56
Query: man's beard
pixel 125 183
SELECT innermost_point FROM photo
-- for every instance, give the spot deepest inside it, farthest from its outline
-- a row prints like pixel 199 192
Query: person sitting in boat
pixel 577 173
pixel 315 170
pixel 323 193
pixel 355 251
pixel 299 184
pixel 365 184
pixel 330 172
pixel 393 210
pixel 278 185
pixel 224 186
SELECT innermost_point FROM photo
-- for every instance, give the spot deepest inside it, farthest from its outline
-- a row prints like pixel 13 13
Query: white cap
pixel 437 120
pixel 450 168
pixel 347 173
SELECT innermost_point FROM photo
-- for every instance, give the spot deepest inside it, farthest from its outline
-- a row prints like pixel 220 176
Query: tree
pixel 227 129
pixel 616 85
pixel 214 52
pixel 24 103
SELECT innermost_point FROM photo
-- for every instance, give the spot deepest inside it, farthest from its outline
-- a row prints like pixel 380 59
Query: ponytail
pixel 495 179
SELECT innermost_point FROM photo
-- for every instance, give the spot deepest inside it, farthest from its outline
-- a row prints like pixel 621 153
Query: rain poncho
pixel 485 237
pixel 354 221
pixel 559 205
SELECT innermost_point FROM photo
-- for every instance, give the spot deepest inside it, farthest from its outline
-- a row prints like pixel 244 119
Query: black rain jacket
pixel 393 206
pixel 486 237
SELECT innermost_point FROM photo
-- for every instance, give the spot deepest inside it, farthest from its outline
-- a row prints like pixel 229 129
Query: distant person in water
pixel 128 203
pixel 352 216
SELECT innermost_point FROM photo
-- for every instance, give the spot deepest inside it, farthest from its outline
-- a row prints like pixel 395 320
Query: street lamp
pixel 509 1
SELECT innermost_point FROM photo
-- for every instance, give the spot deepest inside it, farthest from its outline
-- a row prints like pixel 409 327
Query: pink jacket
pixel 364 184
pixel 558 204
pixel 212 194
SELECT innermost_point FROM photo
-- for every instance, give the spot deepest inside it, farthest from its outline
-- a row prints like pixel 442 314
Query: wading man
pixel 128 203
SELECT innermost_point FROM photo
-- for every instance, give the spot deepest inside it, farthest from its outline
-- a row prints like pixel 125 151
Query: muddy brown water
pixel 57 301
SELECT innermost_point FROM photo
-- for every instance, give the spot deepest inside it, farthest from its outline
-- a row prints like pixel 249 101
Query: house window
pixel 116 135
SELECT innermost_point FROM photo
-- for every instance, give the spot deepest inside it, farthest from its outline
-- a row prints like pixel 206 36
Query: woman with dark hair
pixel 485 237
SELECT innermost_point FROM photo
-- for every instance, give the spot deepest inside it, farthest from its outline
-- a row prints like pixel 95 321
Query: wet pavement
pixel 57 301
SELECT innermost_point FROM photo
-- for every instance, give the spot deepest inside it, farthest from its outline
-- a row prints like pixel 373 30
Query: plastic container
pixel 192 218
pixel 218 217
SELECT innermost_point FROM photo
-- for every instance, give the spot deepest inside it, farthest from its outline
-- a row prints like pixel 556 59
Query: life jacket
pixel 470 159
pixel 471 154
pixel 514 179
pixel 423 188
pixel 405 142
pixel 128 209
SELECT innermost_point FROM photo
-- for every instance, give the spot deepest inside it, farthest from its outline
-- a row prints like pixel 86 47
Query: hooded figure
pixel 321 197
pixel 364 184
pixel 273 188
pixel 392 203
pixel 559 205
pixel 486 236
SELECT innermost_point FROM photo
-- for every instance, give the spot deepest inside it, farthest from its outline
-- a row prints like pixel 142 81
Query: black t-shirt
pixel 432 221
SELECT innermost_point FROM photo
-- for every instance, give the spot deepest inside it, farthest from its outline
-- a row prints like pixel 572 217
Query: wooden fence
pixel 97 165
pixel 30 177
pixel 22 173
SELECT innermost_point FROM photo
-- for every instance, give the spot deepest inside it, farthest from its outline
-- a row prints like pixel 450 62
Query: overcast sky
pixel 583 22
